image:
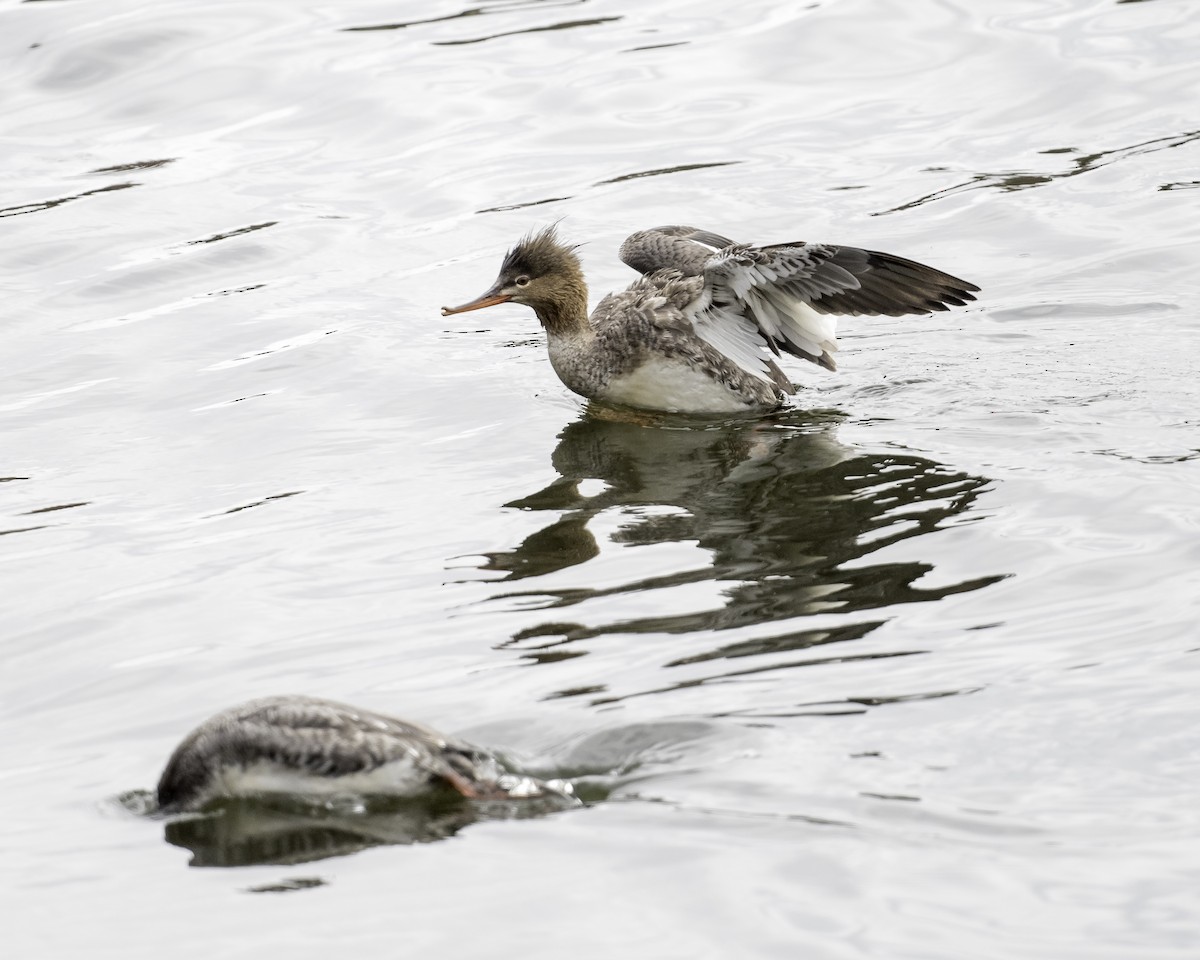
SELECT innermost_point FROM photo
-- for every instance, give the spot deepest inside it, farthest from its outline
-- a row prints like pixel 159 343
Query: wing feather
pixel 793 292
pixel 786 297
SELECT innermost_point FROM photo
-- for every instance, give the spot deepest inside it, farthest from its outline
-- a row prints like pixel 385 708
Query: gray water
pixel 908 670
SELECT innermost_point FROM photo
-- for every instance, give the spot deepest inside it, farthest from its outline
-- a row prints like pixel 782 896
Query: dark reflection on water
pixel 135 165
pixel 520 206
pixel 565 25
pixel 237 833
pixel 405 24
pixel 485 10
pixel 288 830
pixel 237 232
pixel 1023 179
pixel 39 205
pixel 790 518
pixel 660 171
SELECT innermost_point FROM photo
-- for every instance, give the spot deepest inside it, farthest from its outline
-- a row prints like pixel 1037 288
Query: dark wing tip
pixel 903 286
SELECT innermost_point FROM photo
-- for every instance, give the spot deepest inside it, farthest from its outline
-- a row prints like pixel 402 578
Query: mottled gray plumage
pixel 707 310
pixel 320 741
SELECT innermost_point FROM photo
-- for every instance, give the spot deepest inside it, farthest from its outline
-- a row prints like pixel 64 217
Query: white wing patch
pixel 788 318
pixel 729 331
pixel 750 304
pixel 769 292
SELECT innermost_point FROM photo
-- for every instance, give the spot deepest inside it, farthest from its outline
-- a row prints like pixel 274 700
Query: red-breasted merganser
pixel 305 746
pixel 696 333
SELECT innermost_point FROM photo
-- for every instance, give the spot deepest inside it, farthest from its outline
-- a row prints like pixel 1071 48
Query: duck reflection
pixel 788 515
pixel 238 832
pixel 245 832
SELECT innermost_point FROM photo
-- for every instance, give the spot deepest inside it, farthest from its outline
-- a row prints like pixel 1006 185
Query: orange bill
pixel 489 299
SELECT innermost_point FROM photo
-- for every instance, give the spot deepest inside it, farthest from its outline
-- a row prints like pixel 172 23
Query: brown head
pixel 540 272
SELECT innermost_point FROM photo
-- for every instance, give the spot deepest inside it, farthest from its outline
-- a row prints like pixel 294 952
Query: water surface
pixel 907 670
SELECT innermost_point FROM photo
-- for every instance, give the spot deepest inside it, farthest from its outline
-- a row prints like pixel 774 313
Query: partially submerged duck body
pixel 700 330
pixel 305 746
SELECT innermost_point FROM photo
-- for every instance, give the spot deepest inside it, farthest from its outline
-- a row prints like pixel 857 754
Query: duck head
pixel 540 272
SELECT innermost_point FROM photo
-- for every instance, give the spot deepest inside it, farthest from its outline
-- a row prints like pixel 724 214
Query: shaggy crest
pixel 541 253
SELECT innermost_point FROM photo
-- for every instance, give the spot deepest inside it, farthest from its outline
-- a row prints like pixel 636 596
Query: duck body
pixel 640 350
pixel 307 746
pixel 699 331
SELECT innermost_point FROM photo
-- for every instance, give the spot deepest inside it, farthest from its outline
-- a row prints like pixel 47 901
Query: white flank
pixel 674 386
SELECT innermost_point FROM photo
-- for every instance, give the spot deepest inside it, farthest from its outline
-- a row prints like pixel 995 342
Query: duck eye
pixel 522 281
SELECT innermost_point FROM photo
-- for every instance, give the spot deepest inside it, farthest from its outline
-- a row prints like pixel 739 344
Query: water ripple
pixel 788 517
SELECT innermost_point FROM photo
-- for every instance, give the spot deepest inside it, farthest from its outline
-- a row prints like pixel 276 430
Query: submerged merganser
pixel 696 333
pixel 305 746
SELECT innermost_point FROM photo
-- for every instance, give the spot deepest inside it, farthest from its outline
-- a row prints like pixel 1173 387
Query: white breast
pixel 665 384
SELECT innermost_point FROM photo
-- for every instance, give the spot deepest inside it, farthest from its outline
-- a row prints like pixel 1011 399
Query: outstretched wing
pixel 686 249
pixel 785 297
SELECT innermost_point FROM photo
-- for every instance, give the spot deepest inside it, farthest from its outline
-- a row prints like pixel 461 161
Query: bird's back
pixel 303 737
